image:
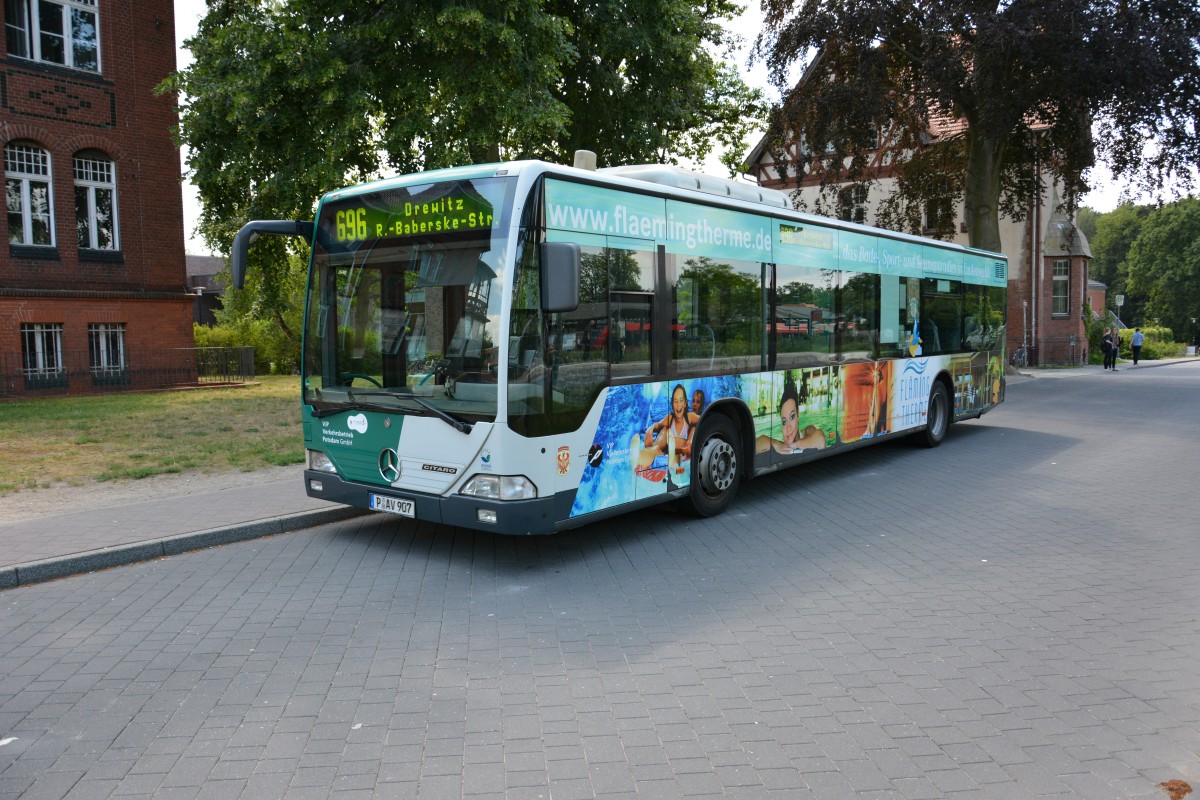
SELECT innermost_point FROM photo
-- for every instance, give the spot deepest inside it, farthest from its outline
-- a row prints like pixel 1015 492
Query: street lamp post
pixel 1117 330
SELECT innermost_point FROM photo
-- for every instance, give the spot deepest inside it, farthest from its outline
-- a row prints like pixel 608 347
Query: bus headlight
pixel 319 462
pixel 500 487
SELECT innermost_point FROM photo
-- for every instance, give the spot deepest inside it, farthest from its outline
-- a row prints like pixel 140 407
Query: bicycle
pixel 1020 357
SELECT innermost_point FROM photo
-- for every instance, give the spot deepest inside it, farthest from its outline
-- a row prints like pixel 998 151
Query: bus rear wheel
pixel 716 466
pixel 937 418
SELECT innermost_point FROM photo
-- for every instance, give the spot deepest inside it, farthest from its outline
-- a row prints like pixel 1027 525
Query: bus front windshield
pixel 404 301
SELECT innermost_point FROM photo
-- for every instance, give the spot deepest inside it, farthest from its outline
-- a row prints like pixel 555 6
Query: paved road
pixel 1012 615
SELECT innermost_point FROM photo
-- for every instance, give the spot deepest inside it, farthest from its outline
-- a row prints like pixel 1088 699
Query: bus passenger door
pixel 615 327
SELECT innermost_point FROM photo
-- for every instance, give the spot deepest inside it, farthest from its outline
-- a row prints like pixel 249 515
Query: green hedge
pixel 274 353
pixel 1160 343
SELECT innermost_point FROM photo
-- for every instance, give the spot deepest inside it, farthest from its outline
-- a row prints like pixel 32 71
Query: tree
pixel 1164 265
pixel 287 100
pixel 1115 234
pixel 1017 88
pixel 645 87
pixel 1086 220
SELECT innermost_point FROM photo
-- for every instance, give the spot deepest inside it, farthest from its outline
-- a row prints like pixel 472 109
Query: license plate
pixel 393 505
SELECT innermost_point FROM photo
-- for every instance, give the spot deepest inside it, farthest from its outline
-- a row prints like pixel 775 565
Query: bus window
pixel 717 321
pixel 941 316
pixel 582 355
pixel 983 318
pixel 857 330
pixel 893 317
pixel 558 363
pixel 628 340
pixel 803 324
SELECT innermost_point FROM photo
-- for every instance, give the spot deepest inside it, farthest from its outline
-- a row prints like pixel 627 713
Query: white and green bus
pixel 527 347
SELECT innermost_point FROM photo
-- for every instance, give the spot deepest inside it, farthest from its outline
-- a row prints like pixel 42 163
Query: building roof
pixel 1063 237
pixel 203 270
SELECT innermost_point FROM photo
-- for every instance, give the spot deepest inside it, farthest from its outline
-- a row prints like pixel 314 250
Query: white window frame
pixel 106 348
pixel 23 24
pixel 41 349
pixel 95 173
pixel 936 208
pixel 852 204
pixel 1060 288
pixel 26 164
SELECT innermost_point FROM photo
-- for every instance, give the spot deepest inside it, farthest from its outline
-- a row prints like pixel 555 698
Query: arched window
pixel 27 195
pixel 63 32
pixel 95 201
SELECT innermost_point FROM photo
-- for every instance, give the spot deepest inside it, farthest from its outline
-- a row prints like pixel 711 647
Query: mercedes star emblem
pixel 389 465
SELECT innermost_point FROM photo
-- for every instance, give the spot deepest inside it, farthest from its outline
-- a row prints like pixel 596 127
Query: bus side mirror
pixel 560 276
pixel 251 230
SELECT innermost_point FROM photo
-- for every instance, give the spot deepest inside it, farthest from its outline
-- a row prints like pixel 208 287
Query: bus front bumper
pixel 514 517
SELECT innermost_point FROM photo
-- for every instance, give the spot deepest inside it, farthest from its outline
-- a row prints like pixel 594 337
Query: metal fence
pixel 1060 351
pixel 76 372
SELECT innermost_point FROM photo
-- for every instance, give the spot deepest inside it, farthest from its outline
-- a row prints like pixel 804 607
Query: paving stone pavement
pixel 1012 615
pixel 57 545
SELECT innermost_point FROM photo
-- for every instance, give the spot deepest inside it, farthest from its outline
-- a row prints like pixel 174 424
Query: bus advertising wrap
pixel 642 446
pixel 691 229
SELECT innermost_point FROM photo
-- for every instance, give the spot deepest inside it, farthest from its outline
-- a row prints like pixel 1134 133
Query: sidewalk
pixel 57 545
pixel 1124 365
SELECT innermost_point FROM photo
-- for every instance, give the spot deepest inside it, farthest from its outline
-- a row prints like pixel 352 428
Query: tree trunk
pixel 282 323
pixel 982 190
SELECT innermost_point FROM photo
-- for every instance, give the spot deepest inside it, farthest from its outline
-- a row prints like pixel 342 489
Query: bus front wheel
pixel 716 466
pixel 937 418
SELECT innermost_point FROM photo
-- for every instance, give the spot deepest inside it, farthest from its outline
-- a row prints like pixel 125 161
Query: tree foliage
pixel 1163 266
pixel 1115 234
pixel 644 88
pixel 287 100
pixel 1015 88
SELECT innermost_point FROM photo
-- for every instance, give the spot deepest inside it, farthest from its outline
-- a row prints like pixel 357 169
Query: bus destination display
pixel 454 211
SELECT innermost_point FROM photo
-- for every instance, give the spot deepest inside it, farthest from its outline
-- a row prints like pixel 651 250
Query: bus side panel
pixel 628 459
pixel 631 458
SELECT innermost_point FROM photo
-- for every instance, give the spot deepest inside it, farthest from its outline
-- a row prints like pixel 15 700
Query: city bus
pixel 528 347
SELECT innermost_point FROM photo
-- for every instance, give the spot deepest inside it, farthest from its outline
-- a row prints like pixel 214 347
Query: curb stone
pixel 135 552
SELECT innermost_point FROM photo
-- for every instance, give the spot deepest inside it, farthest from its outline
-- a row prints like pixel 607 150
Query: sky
pixel 189 12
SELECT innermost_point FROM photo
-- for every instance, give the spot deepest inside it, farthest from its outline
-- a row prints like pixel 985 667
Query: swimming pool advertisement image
pixel 643 444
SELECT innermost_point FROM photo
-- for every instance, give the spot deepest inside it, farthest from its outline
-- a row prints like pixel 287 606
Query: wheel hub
pixel 719 465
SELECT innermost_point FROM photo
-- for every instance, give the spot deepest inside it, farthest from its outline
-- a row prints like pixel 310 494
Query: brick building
pixel 92 285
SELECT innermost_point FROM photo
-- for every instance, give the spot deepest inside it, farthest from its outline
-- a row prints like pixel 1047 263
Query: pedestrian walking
pixel 1106 346
pixel 1135 342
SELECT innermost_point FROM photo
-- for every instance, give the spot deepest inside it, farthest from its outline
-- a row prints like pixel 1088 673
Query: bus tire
pixel 937 417
pixel 716 466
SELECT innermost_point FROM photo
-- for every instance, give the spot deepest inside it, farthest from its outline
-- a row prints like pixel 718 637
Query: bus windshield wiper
pixel 460 425
pixel 340 408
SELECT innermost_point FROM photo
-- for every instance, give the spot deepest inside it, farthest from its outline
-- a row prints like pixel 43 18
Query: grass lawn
pixel 134 435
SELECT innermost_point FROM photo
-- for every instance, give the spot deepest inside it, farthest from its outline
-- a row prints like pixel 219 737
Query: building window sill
pixel 33 251
pixel 106 256
pixel 31 64
pixel 110 379
pixel 48 381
